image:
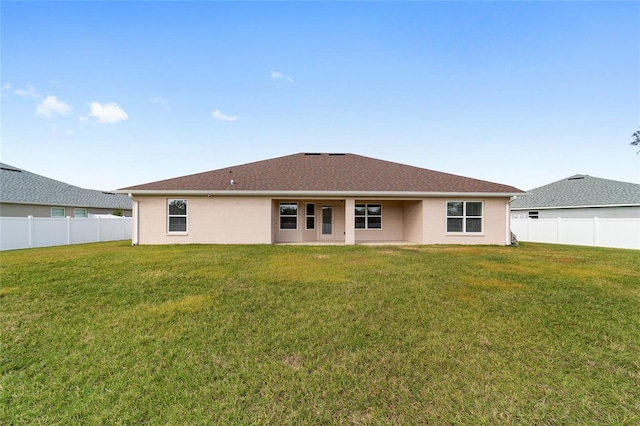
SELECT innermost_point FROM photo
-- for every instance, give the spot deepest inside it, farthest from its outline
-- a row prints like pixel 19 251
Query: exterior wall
pixel 35 210
pixel 581 213
pixel 309 235
pixel 255 220
pixel 210 220
pixel 494 226
pixel 392 223
pixel 413 222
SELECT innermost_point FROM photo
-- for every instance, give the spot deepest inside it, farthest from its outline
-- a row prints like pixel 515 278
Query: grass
pixel 112 334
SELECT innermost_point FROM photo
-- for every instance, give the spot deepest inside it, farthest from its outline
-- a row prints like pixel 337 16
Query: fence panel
pixel 577 231
pixel 620 233
pixel 49 232
pixel 83 231
pixel 614 232
pixel 27 232
pixel 15 233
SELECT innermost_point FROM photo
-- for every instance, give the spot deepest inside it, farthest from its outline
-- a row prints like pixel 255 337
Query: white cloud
pixel 29 93
pixel 51 106
pixel 223 117
pixel 275 76
pixel 107 113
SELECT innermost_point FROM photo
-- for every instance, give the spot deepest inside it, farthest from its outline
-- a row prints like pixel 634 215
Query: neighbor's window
pixel 289 216
pixel 80 213
pixel 464 216
pixel 57 211
pixel 368 216
pixel 311 216
pixel 177 215
pixel 533 215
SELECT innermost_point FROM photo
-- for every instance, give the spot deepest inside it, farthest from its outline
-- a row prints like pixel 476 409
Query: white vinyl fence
pixel 28 232
pixel 617 233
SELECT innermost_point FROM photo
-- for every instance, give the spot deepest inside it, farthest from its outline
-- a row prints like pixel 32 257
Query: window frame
pixel 366 215
pixel 308 216
pixel 76 210
pixel 280 215
pixel 533 214
pixel 464 217
pixel 185 216
pixel 58 208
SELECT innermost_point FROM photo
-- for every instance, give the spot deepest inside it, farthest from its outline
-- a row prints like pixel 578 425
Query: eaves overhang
pixel 59 204
pixel 316 194
pixel 593 206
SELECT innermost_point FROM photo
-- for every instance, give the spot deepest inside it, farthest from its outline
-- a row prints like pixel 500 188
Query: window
pixel 533 215
pixel 311 216
pixel 80 213
pixel 57 211
pixel 289 216
pixel 464 216
pixel 177 215
pixel 368 216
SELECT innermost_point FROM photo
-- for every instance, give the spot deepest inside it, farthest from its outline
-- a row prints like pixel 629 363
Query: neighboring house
pixel 579 197
pixel 23 193
pixel 312 197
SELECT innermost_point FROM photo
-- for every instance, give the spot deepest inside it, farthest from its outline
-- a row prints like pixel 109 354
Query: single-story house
pixel 579 197
pixel 23 194
pixel 320 197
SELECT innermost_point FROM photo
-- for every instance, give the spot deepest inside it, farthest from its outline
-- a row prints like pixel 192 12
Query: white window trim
pixel 75 213
pixel 64 212
pixel 464 218
pixel 280 216
pixel 366 216
pixel 186 216
pixel 306 216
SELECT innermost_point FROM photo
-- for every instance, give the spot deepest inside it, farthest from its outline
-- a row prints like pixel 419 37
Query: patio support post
pixel 349 221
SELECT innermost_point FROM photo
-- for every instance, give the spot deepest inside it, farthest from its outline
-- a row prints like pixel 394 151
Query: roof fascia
pixel 577 207
pixel 341 194
pixel 80 206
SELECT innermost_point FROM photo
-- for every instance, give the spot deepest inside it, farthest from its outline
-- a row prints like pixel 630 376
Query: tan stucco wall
pixel 392 223
pixel 35 210
pixel 494 222
pixel 305 235
pixel 413 221
pixel 244 220
pixel 210 220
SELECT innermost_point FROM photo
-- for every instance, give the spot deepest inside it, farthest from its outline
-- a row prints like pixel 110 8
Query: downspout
pixel 508 208
pixel 136 221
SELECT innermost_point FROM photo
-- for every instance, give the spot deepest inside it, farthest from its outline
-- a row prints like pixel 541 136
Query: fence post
pixel 559 231
pixel 30 221
pixel 596 231
pixel 98 229
pixel 68 230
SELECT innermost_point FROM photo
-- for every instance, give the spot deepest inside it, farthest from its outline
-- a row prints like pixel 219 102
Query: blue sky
pixel 105 95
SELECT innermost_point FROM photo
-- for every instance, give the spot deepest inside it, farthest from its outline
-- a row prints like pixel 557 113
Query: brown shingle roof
pixel 325 172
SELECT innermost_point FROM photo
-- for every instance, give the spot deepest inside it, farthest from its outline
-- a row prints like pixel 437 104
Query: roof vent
pixel 10 170
pixel 312 153
pixel 338 154
pixel 576 177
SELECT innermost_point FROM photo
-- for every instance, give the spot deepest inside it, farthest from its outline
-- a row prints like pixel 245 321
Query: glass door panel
pixel 327 219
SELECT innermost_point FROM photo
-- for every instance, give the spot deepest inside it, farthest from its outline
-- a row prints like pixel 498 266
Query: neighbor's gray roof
pixel 578 191
pixel 19 186
pixel 326 172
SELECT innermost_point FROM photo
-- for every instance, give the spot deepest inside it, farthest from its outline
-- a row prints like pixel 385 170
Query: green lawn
pixel 112 334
